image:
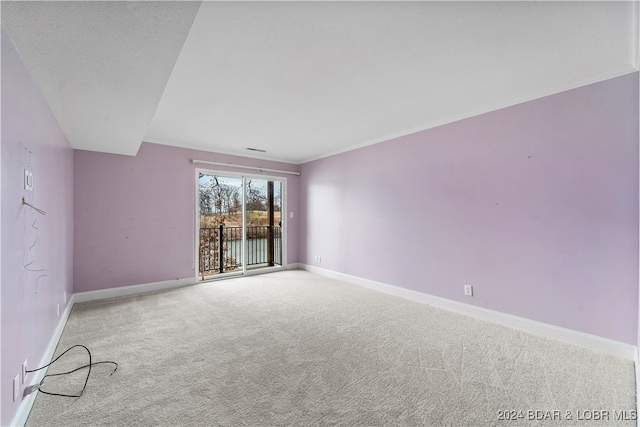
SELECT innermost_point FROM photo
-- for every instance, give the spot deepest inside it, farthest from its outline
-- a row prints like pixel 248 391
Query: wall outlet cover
pixel 468 290
pixel 24 371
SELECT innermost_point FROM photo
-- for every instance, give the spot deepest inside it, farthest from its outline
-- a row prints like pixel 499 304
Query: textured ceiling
pixel 101 66
pixel 302 80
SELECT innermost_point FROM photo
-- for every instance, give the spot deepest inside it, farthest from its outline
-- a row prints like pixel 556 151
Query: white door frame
pixel 283 220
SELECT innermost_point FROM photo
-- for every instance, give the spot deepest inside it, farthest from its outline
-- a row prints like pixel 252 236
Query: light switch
pixel 28 180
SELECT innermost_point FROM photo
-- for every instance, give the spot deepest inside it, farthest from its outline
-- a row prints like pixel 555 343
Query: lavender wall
pixel 535 205
pixel 135 216
pixel 36 250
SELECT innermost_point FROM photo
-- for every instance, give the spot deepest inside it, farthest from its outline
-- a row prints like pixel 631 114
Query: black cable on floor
pixel 89 365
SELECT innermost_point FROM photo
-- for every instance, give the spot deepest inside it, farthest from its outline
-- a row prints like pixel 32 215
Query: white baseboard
pixel 133 289
pixel 592 342
pixel 637 360
pixel 295 266
pixel 20 418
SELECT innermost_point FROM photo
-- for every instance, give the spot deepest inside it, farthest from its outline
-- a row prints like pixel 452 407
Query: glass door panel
pixel 263 222
pixel 220 233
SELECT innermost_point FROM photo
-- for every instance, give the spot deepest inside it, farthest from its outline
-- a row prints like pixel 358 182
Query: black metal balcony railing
pixel 221 248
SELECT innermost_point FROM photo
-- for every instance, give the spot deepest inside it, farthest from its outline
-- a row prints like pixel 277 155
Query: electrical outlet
pixel 290 214
pixel 65 297
pixel 16 387
pixel 468 290
pixel 24 371
pixel 58 310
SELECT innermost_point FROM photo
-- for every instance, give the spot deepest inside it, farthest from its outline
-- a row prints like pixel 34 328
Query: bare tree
pixel 256 198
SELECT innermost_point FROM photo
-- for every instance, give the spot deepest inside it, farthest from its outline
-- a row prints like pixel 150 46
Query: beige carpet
pixel 294 348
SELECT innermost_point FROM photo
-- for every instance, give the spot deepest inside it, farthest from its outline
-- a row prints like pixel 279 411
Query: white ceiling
pixel 302 80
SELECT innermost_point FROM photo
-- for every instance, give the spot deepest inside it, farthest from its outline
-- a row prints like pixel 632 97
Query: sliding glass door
pixel 240 224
